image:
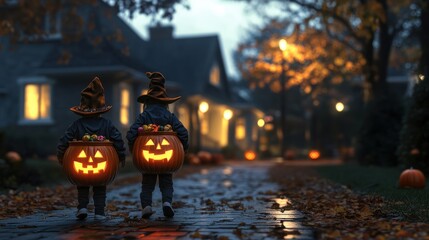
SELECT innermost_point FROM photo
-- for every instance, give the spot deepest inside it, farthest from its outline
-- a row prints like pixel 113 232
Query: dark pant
pixel 99 196
pixel 148 185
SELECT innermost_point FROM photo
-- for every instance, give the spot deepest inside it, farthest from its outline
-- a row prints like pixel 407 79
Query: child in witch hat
pixel 156 112
pixel 92 105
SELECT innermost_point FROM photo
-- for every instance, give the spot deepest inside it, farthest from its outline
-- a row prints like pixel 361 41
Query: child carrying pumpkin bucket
pixel 156 113
pixel 92 105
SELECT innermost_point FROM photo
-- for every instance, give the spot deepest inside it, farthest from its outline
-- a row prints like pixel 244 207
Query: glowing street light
pixel 204 107
pixel 283 47
pixel 339 107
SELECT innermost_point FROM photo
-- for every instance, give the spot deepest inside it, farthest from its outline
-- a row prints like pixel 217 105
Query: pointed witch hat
pixel 157 90
pixel 92 100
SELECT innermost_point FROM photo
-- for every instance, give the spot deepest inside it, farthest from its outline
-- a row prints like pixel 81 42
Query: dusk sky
pixel 228 19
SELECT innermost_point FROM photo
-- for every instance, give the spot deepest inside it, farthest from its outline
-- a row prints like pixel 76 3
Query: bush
pixel 414 139
pixel 379 136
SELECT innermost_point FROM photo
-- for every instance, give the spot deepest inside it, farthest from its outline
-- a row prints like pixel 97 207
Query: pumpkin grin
pixel 95 169
pixel 157 157
pixel 78 166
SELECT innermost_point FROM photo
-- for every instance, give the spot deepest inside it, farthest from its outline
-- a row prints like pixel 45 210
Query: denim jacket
pixel 160 115
pixel 92 125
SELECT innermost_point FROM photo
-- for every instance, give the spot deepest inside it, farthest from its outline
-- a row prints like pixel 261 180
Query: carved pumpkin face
pixel 86 165
pixel 157 151
pixel 90 163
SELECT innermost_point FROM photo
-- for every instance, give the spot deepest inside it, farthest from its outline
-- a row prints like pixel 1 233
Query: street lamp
pixel 339 107
pixel 283 47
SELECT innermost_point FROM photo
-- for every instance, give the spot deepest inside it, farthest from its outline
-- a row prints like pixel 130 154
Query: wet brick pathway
pixel 229 202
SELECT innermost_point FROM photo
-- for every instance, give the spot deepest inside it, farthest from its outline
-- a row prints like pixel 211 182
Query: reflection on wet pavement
pixel 229 202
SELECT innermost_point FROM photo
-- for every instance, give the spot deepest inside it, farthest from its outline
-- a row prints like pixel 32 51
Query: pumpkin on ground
pixel 158 152
pixel 412 178
pixel 91 163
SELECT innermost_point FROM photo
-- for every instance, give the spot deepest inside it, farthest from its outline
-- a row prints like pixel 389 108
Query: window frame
pixel 37 80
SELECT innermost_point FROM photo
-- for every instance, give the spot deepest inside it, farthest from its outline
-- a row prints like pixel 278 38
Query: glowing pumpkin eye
pixel 150 143
pixel 82 154
pixel 98 154
pixel 165 142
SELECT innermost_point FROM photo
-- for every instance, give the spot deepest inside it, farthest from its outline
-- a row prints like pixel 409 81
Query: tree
pixel 310 70
pixel 368 29
pixel 414 141
pixel 23 20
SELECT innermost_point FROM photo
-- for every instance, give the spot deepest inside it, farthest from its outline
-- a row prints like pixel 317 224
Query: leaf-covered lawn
pixel 335 211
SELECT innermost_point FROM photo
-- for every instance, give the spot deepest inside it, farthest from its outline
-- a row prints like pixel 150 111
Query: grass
pixel 412 204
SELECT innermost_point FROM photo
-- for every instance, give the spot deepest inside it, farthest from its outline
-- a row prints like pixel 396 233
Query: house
pixel 213 113
pixel 40 80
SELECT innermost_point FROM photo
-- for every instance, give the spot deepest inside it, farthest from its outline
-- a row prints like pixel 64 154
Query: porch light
pixel 203 107
pixel 227 114
pixel 261 123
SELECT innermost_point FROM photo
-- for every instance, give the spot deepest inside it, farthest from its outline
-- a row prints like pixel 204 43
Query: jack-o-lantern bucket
pixel 91 163
pixel 158 152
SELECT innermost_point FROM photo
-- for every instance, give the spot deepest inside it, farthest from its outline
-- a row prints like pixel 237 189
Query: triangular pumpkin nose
pixel 158 147
pixel 90 159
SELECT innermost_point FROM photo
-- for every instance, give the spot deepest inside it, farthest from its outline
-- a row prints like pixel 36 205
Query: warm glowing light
pixel 125 106
pixel 204 107
pixel 314 154
pixel 269 126
pixel 227 114
pixel 250 155
pixel 82 154
pixel 307 89
pixel 283 44
pixel 261 123
pixel 240 129
pixel 339 106
pixel 36 101
pixel 31 101
pixel 93 169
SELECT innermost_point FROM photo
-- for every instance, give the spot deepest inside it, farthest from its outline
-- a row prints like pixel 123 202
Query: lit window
pixel 204 126
pixel 240 130
pixel 37 101
pixel 215 75
pixel 125 106
pixel 144 91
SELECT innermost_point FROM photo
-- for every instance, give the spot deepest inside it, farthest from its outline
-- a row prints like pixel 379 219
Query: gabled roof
pixel 104 47
pixel 183 60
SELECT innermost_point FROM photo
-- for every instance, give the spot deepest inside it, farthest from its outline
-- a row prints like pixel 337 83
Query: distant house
pixel 41 80
pixel 197 66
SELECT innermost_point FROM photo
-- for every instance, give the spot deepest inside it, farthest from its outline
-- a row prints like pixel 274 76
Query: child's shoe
pixel 167 209
pixel 82 213
pixel 147 212
pixel 100 217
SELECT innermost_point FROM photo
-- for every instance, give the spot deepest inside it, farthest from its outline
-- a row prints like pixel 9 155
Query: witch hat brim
pixel 92 100
pixel 167 100
pixel 77 110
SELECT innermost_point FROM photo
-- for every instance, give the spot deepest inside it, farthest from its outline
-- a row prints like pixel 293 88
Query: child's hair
pixel 151 102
